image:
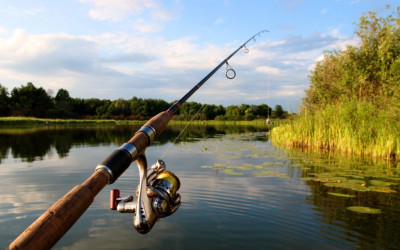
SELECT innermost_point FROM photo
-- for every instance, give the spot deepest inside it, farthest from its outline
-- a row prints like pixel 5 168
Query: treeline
pixel 29 100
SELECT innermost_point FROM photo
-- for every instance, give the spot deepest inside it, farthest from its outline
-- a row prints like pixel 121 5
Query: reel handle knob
pixel 114 195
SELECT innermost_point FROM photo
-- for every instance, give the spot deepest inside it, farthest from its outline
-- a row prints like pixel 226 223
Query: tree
pixel 4 101
pixel 243 108
pixel 210 111
pixel 278 112
pixel 119 107
pixel 370 71
pixel 63 103
pixel 232 112
pixel 63 100
pixel 248 114
pixel 261 110
pixel 30 101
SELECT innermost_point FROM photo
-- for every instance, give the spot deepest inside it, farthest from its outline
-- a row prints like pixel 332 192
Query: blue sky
pixel 161 48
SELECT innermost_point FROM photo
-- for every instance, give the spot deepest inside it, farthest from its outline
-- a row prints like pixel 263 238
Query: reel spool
pixel 156 196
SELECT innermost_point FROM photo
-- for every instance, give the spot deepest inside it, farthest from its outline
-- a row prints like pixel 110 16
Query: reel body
pixel 156 196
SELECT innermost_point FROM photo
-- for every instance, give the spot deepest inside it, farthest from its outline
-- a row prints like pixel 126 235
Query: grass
pixel 8 121
pixel 44 121
pixel 352 128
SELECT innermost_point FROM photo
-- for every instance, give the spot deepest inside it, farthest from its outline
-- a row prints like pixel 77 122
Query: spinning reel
pixel 156 196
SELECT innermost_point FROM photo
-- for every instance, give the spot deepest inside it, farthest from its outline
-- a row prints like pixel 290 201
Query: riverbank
pixel 10 121
pixel 355 128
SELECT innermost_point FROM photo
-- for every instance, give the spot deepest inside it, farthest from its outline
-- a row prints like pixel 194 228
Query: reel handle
pixel 114 195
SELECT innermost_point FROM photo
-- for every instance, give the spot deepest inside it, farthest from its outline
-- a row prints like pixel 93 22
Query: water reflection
pixel 33 143
pixel 238 191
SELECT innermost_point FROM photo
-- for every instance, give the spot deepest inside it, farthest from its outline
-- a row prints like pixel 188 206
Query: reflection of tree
pixel 29 147
pixel 3 148
pixel 31 144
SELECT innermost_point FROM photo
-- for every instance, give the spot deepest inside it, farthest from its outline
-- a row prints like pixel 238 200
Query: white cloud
pixel 2 30
pixel 147 27
pixel 218 21
pixel 355 2
pixel 116 10
pixel 24 12
pixel 267 69
pixel 121 65
pixel 323 11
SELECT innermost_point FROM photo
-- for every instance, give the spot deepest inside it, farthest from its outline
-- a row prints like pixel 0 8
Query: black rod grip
pixel 116 163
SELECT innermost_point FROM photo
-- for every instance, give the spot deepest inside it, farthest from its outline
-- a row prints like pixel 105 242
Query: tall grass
pixel 353 127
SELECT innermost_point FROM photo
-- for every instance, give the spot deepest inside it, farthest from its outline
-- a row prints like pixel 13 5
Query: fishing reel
pixel 156 195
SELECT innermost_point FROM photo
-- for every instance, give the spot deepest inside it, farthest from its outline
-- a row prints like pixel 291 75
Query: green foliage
pixel 352 104
pixel 4 101
pixel 30 101
pixel 370 71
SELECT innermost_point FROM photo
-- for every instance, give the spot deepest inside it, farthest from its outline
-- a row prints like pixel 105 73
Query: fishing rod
pixel 156 194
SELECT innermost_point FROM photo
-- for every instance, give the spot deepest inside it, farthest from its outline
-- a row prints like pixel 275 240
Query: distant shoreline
pixel 7 121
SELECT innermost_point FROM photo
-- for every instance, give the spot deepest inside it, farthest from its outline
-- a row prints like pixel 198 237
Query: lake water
pixel 238 191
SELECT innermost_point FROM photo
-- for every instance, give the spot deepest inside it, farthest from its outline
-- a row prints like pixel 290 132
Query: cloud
pixel 46 54
pixel 218 21
pixel 18 12
pixel 122 65
pixel 267 69
pixel 147 27
pixel 116 10
pixel 323 11
pixel 2 30
pixel 296 43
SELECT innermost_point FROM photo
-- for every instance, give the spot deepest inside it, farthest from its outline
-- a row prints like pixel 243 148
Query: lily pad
pixel 364 210
pixel 342 195
pixel 270 174
pixel 230 171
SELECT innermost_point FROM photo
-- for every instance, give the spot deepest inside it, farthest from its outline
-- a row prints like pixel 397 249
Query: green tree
pixel 92 104
pixel 119 107
pixel 370 71
pixel 232 112
pixel 243 108
pixel 63 100
pixel 248 114
pixel 190 108
pixel 30 101
pixel 278 112
pixel 4 101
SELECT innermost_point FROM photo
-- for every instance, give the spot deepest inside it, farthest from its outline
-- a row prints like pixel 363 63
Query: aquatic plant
pixel 351 127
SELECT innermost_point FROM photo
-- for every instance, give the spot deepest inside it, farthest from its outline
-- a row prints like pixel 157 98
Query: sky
pixel 162 48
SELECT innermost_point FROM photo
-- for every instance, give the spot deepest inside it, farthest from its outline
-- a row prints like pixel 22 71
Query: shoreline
pixel 22 121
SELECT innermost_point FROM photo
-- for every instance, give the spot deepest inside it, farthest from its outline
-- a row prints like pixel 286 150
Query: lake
pixel 238 191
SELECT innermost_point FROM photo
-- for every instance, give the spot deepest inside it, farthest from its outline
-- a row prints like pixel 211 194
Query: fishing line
pixel 268 110
pixel 187 125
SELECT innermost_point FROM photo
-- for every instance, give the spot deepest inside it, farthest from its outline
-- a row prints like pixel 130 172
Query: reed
pixel 353 127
